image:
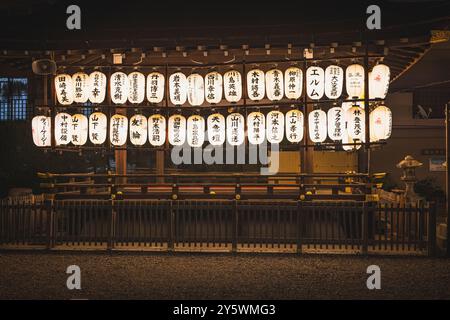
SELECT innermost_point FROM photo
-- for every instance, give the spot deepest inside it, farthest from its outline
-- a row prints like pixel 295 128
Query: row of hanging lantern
pixel 273 84
pixel 338 124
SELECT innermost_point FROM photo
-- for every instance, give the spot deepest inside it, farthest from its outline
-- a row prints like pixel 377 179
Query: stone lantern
pixel 409 165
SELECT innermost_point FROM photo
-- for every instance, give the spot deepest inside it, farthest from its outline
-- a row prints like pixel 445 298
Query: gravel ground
pixel 25 275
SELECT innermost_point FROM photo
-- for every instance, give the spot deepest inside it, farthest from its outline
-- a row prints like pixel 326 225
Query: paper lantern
pixel 138 130
pixel 216 129
pixel 79 129
pixel 274 84
pixel 98 126
pixel 293 82
pixel 346 140
pixel 177 130
pixel 195 131
pixel 119 85
pixel 136 93
pixel 317 122
pixel 315 79
pixel 64 89
pixel 348 104
pixel 294 125
pixel 81 87
pixel 380 123
pixel 336 123
pixel 256 127
pixel 157 130
pixel 379 81
pixel 354 81
pixel 275 126
pixel 213 87
pixel 178 88
pixel 63 128
pixel 334 80
pixel 195 89
pixel 97 87
pixel 235 129
pixel 256 84
pixel 355 123
pixel 155 87
pixel 41 131
pixel 232 83
pixel 118 130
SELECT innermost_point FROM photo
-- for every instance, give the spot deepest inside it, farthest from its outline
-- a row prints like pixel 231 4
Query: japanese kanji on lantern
pixel 177 130
pixel 155 87
pixel 213 87
pixel 118 130
pixel 354 81
pixel 274 84
pixel 64 89
pixel 138 129
pixel 317 122
pixel 79 129
pixel 178 88
pixel 195 89
pixel 379 81
pixel 41 131
pixel 97 87
pixel 380 123
pixel 315 78
pixel 334 80
pixel 119 85
pixel 195 133
pixel 355 123
pixel 81 87
pixel 98 126
pixel 232 83
pixel 255 84
pixel 216 129
pixel 275 126
pixel 136 93
pixel 256 127
pixel 157 130
pixel 235 129
pixel 63 128
pixel 336 123
pixel 293 82
pixel 294 125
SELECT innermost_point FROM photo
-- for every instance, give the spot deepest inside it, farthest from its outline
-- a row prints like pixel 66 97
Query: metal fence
pixel 222 225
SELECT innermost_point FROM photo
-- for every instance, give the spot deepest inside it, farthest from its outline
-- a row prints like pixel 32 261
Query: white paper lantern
pixel 346 140
pixel 213 87
pixel 379 81
pixel 138 130
pixel 97 87
pixel 274 84
pixel 136 93
pixel 334 80
pixel 315 86
pixel 216 129
pixel 155 87
pixel 64 89
pixel 177 130
pixel 235 129
pixel 354 81
pixel 157 130
pixel 256 127
pixel 293 82
pixel 120 86
pixel 294 125
pixel 98 126
pixel 79 129
pixel 336 123
pixel 81 87
pixel 196 89
pixel 232 83
pixel 118 130
pixel 256 84
pixel 41 131
pixel 355 123
pixel 275 126
pixel 178 88
pixel 195 131
pixel 63 128
pixel 380 123
pixel 317 122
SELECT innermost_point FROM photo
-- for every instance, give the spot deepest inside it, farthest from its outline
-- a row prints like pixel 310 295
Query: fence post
pixel 170 240
pixel 431 229
pixel 48 205
pixel 112 223
pixel 365 230
pixel 299 228
pixel 235 227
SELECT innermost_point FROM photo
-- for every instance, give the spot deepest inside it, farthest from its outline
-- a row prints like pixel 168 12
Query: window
pixel 429 102
pixel 14 99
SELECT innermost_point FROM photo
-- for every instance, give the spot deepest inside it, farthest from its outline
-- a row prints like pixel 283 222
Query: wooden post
pixel 366 109
pixel 447 139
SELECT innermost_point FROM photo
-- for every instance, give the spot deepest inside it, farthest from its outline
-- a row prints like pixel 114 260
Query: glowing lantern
pixel 255 84
pixel 232 82
pixel 178 88
pixel 63 128
pixel 355 123
pixel 274 84
pixel 317 121
pixel 98 126
pixel 235 129
pixel 157 130
pixel 354 80
pixel 138 129
pixel 80 87
pixel 315 78
pixel 155 87
pixel 294 125
pixel 380 123
pixel 97 87
pixel 256 127
pixel 293 82
pixel 41 131
pixel 216 129
pixel 119 85
pixel 379 81
pixel 195 89
pixel 79 129
pixel 136 94
pixel 213 87
pixel 118 130
pixel 177 130
pixel 336 123
pixel 195 131
pixel 346 140
pixel 334 80
pixel 275 127
pixel 64 89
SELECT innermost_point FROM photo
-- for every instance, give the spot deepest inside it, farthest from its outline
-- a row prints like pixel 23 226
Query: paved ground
pixel 220 276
